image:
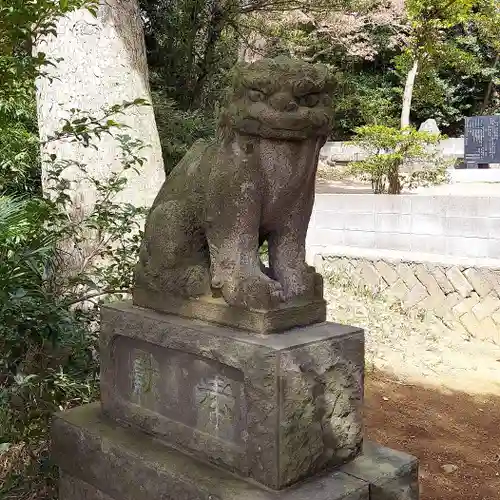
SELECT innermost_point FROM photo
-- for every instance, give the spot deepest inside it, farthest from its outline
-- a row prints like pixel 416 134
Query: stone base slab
pixel 274 408
pixel 215 310
pixel 102 461
pixel 392 475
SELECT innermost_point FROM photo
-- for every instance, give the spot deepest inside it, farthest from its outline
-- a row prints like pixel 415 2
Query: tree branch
pixel 95 295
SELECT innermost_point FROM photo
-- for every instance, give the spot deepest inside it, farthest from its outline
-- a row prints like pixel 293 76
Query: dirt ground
pixel 441 428
pixel 429 392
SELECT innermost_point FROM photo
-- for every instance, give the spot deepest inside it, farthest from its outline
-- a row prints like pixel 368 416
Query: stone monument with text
pixel 222 380
pixel 482 141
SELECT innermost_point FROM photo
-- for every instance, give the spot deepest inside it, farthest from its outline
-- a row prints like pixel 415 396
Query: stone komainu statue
pixel 254 184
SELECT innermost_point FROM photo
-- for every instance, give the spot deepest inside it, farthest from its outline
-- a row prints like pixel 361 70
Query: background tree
pixel 101 62
pixel 192 46
pixel 49 319
pixel 429 44
pixel 22 24
pixel 486 28
pixel 397 159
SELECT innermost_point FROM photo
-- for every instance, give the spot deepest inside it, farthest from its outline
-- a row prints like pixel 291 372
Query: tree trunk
pixel 489 90
pixel 103 64
pixel 408 95
pixel 216 25
pixel 394 180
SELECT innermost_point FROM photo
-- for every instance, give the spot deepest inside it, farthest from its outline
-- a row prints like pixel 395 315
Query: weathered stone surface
pixel 321 420
pixel 392 475
pixel 407 275
pixel 255 183
pixel 415 296
pixel 430 125
pixel 481 285
pixel 71 488
pixel 452 300
pixel 275 408
pixel 102 461
pixel 428 280
pixel 293 313
pixel 459 282
pixel 466 305
pixel 442 280
pixel 387 272
pixel 371 278
pixel 465 299
pixel 486 307
pixel 398 290
pixel 488 330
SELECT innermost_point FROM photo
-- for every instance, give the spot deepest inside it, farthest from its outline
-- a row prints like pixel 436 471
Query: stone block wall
pixel 465 297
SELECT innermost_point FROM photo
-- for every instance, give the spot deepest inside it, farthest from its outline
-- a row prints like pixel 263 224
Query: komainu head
pixel 279 98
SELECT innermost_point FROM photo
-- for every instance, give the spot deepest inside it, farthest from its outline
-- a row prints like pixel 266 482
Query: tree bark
pixel 408 94
pixel 394 180
pixel 489 90
pixel 103 64
pixel 216 25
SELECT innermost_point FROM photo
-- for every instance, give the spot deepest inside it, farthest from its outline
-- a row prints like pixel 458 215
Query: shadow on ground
pixel 440 427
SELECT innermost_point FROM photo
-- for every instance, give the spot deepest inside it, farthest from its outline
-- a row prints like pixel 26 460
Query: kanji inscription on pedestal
pixel 145 379
pixel 216 407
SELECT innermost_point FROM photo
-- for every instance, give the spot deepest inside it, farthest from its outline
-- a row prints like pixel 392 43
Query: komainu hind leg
pixel 174 254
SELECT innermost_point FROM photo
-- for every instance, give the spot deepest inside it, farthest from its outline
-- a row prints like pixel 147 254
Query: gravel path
pixel 417 349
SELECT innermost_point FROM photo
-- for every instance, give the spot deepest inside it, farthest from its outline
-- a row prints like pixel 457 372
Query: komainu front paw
pixel 253 292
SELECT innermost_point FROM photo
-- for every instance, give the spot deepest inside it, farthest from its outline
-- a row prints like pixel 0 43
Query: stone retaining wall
pixel 466 298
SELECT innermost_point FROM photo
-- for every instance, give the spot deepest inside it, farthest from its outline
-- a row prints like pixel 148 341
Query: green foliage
pixel 453 36
pixel 22 24
pixel 389 150
pixel 19 158
pixel 179 129
pixel 52 283
pixel 51 279
pixel 191 45
pixel 365 98
pixel 372 46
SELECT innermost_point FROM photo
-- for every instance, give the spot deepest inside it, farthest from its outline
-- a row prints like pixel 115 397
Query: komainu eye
pixel 310 100
pixel 256 95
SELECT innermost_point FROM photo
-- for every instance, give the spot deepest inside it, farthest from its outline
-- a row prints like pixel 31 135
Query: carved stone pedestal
pixel 192 410
pixel 273 408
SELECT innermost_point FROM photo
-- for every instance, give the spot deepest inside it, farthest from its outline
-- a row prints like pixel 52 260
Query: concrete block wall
pixel 345 151
pixel 457 226
pixel 464 295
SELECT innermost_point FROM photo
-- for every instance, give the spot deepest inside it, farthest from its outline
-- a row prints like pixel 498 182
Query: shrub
pixel 48 310
pixel 389 151
pixel 179 129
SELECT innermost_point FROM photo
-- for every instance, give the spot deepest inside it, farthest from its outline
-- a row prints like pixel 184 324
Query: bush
pixel 389 151
pixel 19 153
pixel 48 309
pixel 178 129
